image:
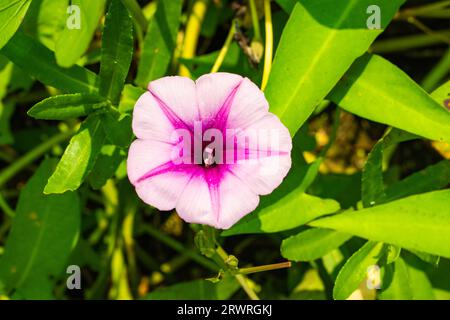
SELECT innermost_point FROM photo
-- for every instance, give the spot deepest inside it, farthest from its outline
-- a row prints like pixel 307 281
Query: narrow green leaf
pixel 117 128
pixel 79 157
pixel 419 222
pixel 117 51
pixel 130 95
pixel 287 5
pixel 67 106
pixel 396 283
pixel 312 244
pixel 38 61
pixel 43 234
pixel 106 165
pixel 442 94
pixel 431 178
pixel 377 90
pixel 314 53
pixel 354 270
pixel 73 42
pixel 372 191
pixel 11 15
pixel 426 257
pixel 288 206
pixel 159 42
pixel 45 20
pixel 293 210
pixel 421 286
pixel 197 290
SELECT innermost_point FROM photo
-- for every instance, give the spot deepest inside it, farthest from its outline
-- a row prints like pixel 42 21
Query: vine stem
pixel 177 246
pixel 243 281
pixel 255 22
pixel 267 267
pixel 29 157
pixel 269 44
pixel 223 52
pixel 192 34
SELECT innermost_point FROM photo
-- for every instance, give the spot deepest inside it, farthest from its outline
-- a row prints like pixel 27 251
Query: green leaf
pixel 287 5
pixel 45 20
pixel 105 166
pixel 130 95
pixel 293 210
pixel 38 61
pixel 400 222
pixel 288 206
pixel 43 234
pixel 367 90
pixel 426 257
pixel 73 42
pixel 197 290
pixel 117 128
pixel 354 270
pixel 79 157
pixel 312 244
pixel 159 42
pixel 314 53
pixel 418 280
pixel 431 178
pixel 67 106
pixel 11 15
pixel 396 283
pixel 372 191
pixel 442 94
pixel 117 51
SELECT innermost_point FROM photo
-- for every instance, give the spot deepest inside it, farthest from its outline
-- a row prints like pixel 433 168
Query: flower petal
pixel 219 206
pixel 236 201
pixel 249 105
pixel 162 188
pixel 149 121
pixel 177 97
pixel 213 90
pixel 268 160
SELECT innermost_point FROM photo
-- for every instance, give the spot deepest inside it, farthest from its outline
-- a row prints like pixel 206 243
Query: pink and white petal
pixel 236 201
pixel 163 191
pixel 263 175
pixel 149 121
pixel 178 94
pixel 219 208
pixel 249 105
pixel 267 133
pixel 145 156
pixel 213 90
pixel 163 188
pixel 264 159
pixel 194 204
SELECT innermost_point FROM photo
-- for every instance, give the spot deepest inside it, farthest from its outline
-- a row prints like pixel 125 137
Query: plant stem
pixel 177 246
pixel 421 26
pixel 6 208
pixel 268 45
pixel 192 34
pixel 223 52
pixel 268 267
pixel 431 80
pixel 32 155
pixel 255 20
pixel 243 281
pixel 423 10
pixel 409 42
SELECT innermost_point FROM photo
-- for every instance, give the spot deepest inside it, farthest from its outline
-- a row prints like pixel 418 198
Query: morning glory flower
pixel 207 148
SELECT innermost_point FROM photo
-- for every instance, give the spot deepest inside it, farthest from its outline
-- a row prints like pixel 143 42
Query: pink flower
pixel 175 164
